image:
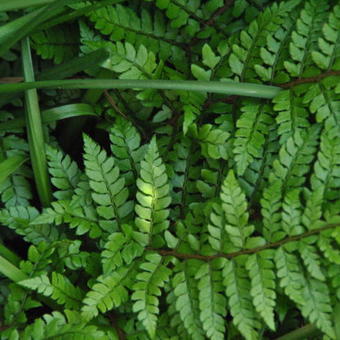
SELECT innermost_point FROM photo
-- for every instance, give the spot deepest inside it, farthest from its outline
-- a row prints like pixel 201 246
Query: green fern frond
pixel 234 205
pixel 126 147
pixel 122 248
pixel 292 116
pixel 153 194
pixel 19 219
pixel 59 288
pixel 108 292
pixel 108 188
pixel 123 23
pixel 327 57
pixel 59 43
pixel 214 142
pixel 252 127
pixel 64 173
pixel 260 267
pixel 153 276
pixel 186 302
pixel 292 213
pixel 237 287
pixel 295 158
pixel 212 303
pixel 56 325
pixel 304 38
pixel 325 174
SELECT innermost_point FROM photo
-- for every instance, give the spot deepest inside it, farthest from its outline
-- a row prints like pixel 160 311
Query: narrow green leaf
pixel 10 165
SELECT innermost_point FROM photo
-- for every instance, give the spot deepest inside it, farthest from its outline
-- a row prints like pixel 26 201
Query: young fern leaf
pixel 20 219
pixel 271 203
pixel 237 287
pixel 108 292
pixel 234 205
pixel 292 116
pixel 295 158
pixel 292 213
pixel 252 127
pixel 311 258
pixel 214 142
pixel 153 194
pixel 60 289
pixel 325 174
pixel 125 146
pixel 153 276
pixel 324 103
pixel 122 248
pixel 64 172
pixel 108 188
pixel 304 38
pixel 56 326
pixel 122 23
pixel 211 301
pixel 327 58
pixel 186 293
pixel 260 267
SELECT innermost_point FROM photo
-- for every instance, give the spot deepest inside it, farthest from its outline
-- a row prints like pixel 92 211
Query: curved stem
pixel 228 88
pixel 300 333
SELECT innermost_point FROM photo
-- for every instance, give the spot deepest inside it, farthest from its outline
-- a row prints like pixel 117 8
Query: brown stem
pixel 219 12
pixel 309 80
pixel 166 252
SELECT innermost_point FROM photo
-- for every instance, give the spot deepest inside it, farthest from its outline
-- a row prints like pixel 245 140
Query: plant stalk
pixel 300 333
pixel 227 88
pixel 34 130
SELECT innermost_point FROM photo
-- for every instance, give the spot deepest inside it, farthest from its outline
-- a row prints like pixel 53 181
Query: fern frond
pixel 252 127
pixel 304 38
pixel 327 57
pixel 325 174
pixel 237 287
pixel 212 303
pixel 108 188
pixel 108 292
pixel 234 205
pixel 186 292
pixel 122 248
pixel 317 307
pixel 123 23
pixel 311 258
pixel 292 213
pixel 292 116
pixel 214 142
pixel 153 194
pixel 59 43
pixel 271 203
pixel 246 53
pixel 153 276
pixel 59 288
pixel 125 146
pixel 324 103
pixel 64 172
pixel 260 267
pixel 19 219
pixel 56 326
pixel 295 157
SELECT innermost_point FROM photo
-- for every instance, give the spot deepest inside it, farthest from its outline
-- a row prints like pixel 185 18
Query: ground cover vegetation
pixel 169 169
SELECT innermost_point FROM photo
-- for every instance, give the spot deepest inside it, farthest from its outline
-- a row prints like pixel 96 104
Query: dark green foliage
pixel 179 215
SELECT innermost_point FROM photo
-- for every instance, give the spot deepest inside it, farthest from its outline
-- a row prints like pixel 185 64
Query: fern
pixel 108 190
pixel 153 194
pixel 189 215
pixel 146 290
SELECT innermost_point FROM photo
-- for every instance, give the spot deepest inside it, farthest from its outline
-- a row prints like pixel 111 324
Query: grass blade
pixel 52 115
pixel 34 130
pixel 228 88
pixel 9 166
pixel 6 5
pixel 11 271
